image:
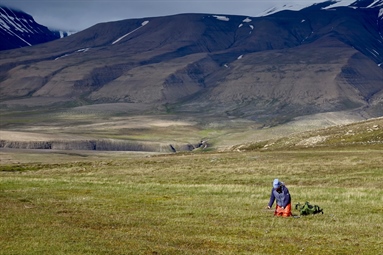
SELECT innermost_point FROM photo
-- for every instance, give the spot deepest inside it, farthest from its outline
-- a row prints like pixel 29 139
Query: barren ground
pixel 122 121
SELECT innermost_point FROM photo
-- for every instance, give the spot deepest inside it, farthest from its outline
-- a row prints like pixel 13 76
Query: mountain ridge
pixel 19 29
pixel 322 5
pixel 287 64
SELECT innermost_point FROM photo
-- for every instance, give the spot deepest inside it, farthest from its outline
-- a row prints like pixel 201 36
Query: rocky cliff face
pixel 99 145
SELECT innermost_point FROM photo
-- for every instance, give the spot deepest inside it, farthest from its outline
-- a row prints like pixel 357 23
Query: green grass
pixel 205 203
pixel 359 135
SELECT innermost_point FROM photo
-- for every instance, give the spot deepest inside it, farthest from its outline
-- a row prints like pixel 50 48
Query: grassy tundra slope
pixel 82 202
pixel 367 133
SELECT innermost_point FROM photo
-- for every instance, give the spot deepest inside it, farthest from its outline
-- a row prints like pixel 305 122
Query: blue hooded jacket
pixel 283 198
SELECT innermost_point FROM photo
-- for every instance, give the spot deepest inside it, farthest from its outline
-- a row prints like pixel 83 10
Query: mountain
pixel 18 29
pixel 269 68
pixel 300 5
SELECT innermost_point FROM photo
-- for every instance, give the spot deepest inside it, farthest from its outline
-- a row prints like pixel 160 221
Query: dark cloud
pixel 80 14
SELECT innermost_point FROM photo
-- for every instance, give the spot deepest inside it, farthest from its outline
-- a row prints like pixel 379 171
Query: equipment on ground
pixel 307 208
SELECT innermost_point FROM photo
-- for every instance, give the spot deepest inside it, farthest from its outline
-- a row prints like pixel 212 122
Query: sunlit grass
pixel 205 203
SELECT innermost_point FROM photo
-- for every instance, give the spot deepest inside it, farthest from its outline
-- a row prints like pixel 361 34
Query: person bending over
pixel 280 193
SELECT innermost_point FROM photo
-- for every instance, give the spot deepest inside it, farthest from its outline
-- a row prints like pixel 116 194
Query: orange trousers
pixel 283 212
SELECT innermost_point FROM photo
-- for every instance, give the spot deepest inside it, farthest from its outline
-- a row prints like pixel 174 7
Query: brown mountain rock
pixel 287 64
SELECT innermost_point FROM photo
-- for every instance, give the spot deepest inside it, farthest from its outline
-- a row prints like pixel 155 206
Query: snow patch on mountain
pixel 9 21
pixel 122 37
pixel 247 20
pixel 65 33
pixel 222 18
pixel 83 50
pixel 69 54
pixel 19 29
pixel 376 3
pixel 340 3
pixel 299 5
pixel 285 6
pixel 11 24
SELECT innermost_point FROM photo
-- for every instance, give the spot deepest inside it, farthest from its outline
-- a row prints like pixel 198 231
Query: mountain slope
pixel 363 134
pixel 269 69
pixel 18 29
pixel 315 5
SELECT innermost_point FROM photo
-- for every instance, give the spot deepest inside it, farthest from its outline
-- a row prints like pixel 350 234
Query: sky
pixel 76 15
